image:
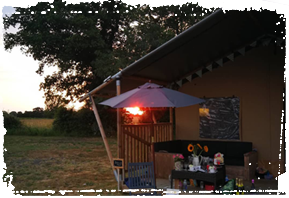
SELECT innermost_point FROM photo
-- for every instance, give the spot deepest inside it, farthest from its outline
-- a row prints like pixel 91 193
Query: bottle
pixel 253 189
pixel 236 184
pixel 181 185
pixel 185 185
pixel 238 187
pixel 242 186
pixel 202 185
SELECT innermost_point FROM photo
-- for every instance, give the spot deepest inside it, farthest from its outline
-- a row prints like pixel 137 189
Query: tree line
pixel 37 112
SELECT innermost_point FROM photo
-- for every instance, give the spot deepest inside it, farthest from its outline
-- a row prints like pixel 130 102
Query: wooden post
pixel 103 135
pixel 171 121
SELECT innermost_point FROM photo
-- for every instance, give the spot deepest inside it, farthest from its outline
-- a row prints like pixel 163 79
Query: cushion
pixel 238 149
pixel 234 161
pixel 169 146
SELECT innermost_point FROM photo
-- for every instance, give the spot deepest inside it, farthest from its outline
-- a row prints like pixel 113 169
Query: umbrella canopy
pixel 152 95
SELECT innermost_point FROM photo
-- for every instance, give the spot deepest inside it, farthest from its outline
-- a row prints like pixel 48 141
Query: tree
pixel 38 112
pixel 89 41
pixel 37 109
pixel 57 35
pixel 13 113
pixel 19 114
pixel 156 25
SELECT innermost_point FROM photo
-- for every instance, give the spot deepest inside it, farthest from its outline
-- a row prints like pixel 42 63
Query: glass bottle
pixel 253 188
pixel 202 185
pixel 185 185
pixel 242 186
pixel 180 185
pixel 236 182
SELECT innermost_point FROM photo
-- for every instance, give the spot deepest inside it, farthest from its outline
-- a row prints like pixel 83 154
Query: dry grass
pixel 59 163
pixel 37 122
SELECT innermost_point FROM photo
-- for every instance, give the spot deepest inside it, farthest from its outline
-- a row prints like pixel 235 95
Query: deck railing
pixel 136 140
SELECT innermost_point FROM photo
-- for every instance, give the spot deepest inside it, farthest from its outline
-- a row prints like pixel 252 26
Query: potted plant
pixel 178 158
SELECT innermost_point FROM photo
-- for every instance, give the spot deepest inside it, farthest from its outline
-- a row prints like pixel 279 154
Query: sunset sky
pixel 19 84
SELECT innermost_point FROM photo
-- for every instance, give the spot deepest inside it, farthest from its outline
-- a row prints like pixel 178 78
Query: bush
pixel 83 122
pixel 10 121
pixel 63 120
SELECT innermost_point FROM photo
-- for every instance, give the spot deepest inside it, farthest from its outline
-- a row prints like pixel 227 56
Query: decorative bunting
pixel 210 68
pixel 253 44
pixel 189 78
pixel 199 73
pixel 220 62
pixel 231 57
pixel 266 41
pixel 242 51
pixel 180 82
pixel 279 41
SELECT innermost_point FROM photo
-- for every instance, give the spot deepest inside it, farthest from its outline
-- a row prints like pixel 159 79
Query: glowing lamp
pixel 134 110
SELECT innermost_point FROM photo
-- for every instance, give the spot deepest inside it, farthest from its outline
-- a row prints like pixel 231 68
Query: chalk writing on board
pixel 221 118
pixel 118 163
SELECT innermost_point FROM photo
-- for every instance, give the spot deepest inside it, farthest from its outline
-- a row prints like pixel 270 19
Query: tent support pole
pixel 119 155
pixel 119 135
pixel 103 135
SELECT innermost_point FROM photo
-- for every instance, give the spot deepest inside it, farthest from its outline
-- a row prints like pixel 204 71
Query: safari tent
pixel 232 54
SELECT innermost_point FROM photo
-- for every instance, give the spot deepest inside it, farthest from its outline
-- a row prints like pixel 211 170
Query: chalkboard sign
pixel 118 163
pixel 219 118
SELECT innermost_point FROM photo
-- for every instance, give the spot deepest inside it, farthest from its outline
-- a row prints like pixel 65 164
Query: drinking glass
pixel 186 165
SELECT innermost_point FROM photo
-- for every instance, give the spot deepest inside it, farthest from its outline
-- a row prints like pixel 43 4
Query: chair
pixel 141 176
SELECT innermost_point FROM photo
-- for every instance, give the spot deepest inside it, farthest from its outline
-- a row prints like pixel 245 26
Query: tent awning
pixel 207 41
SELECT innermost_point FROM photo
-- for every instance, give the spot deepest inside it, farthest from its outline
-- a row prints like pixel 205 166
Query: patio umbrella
pixel 152 95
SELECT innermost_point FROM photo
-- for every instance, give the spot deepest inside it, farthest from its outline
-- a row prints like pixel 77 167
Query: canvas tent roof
pixel 217 36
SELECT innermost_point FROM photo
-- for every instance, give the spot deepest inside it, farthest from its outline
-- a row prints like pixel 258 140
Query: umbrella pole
pixel 103 136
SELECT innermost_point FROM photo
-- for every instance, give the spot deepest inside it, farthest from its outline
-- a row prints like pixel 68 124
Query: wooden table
pixel 217 178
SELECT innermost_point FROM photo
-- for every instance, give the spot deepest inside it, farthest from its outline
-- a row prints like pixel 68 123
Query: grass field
pixel 59 163
pixel 37 122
